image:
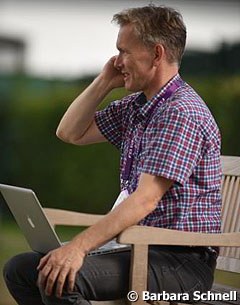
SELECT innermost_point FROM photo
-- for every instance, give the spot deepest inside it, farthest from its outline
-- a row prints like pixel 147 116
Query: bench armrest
pixel 71 218
pixel 144 235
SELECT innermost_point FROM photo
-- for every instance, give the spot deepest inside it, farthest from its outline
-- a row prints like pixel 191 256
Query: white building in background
pixel 12 52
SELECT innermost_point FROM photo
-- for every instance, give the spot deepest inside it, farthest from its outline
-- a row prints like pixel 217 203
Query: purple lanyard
pixel 127 170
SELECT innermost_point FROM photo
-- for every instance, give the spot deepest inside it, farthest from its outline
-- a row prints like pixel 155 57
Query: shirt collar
pixel 144 106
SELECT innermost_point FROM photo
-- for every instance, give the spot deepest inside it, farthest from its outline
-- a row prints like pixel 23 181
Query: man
pixel 170 171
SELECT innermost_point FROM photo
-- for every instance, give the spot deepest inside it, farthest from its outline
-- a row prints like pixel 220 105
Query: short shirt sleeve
pixel 173 146
pixel 111 121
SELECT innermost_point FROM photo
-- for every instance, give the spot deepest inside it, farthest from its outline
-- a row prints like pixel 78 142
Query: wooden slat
pixel 225 187
pixel 114 302
pixel 70 218
pixel 228 264
pixel 139 270
pixel 230 197
pixel 235 224
pixel 158 236
pixel 231 209
pixel 225 184
pixel 217 288
pixel 230 165
pixel 228 206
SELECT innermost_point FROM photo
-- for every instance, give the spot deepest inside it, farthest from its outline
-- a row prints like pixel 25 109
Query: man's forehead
pixel 126 29
pixel 126 33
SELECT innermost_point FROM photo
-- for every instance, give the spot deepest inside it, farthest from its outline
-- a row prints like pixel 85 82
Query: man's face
pixel 134 60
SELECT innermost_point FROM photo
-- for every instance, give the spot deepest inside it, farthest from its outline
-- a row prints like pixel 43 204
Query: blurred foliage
pixel 82 178
pixel 222 95
pixel 62 175
pixel 224 60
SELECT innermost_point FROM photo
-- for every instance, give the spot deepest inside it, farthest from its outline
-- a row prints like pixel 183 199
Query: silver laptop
pixel 33 222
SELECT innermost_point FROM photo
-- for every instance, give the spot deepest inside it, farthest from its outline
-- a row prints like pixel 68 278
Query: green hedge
pixel 222 95
pixel 81 178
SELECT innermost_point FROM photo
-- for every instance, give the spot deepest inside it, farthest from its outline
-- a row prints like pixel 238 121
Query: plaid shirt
pixel 181 142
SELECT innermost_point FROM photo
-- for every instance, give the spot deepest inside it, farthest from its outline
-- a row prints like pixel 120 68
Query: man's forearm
pixel 133 209
pixel 128 213
pixel 80 113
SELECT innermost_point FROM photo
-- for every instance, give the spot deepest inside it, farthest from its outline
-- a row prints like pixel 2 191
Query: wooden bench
pixel 141 237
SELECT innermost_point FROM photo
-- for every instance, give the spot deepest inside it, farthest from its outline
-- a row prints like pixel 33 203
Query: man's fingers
pixel 51 280
pixel 71 280
pixel 43 261
pixel 43 274
pixel 61 281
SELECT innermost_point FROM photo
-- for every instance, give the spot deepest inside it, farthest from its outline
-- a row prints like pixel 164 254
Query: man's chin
pixel 131 88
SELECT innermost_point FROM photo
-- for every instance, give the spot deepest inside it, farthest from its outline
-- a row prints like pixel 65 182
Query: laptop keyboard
pixel 110 247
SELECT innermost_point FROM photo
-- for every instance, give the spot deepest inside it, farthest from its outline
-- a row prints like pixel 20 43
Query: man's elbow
pixel 67 137
pixel 62 135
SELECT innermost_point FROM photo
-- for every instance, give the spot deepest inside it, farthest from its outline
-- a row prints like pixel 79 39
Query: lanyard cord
pixel 130 153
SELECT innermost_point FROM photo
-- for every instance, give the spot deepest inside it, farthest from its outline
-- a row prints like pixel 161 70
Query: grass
pixel 13 242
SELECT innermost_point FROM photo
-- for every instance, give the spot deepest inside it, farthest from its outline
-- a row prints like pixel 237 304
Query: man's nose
pixel 118 62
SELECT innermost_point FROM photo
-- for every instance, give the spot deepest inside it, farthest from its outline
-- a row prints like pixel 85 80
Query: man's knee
pixel 22 268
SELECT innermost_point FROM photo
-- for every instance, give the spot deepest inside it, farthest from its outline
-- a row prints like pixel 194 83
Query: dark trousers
pixel 106 277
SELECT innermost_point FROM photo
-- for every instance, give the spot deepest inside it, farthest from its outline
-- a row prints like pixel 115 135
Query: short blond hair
pixel 157 24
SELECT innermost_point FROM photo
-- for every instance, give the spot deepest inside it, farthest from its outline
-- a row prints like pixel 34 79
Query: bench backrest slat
pixel 231 203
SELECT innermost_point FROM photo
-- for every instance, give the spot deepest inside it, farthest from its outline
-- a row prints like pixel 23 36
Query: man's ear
pixel 159 52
